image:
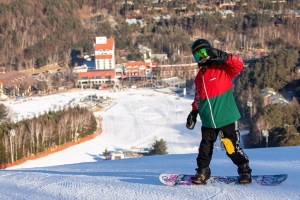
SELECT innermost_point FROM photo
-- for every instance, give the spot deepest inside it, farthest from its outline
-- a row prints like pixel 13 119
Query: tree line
pixel 43 132
pixel 276 71
pixel 36 33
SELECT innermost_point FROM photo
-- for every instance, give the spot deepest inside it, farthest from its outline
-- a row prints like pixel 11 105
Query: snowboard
pixel 184 179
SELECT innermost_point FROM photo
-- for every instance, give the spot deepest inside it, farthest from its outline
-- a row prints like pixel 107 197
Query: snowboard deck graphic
pixel 185 179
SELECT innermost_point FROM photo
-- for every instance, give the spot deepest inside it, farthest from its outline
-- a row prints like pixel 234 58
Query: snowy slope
pixel 138 178
pixel 135 119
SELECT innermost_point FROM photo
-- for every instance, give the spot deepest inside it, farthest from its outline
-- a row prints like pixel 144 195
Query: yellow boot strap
pixel 228 145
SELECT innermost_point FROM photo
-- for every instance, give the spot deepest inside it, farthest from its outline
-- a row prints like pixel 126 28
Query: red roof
pixel 108 45
pixel 139 64
pixel 102 73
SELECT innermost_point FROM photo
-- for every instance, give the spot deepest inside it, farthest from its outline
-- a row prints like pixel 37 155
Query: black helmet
pixel 199 44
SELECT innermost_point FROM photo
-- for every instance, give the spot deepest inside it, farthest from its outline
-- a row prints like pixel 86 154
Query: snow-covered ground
pixel 137 118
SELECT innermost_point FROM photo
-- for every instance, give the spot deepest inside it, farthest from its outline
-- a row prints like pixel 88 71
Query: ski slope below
pixel 136 118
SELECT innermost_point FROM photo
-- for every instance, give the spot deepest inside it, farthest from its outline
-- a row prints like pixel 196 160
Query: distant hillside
pixel 37 32
pixel 34 33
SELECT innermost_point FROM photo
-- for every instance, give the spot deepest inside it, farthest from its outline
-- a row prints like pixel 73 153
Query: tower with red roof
pixel 104 53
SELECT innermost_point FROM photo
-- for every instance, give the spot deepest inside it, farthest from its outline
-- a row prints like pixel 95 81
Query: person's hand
pixel 217 56
pixel 192 119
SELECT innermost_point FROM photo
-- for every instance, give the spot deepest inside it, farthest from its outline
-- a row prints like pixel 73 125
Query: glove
pixel 216 56
pixel 192 119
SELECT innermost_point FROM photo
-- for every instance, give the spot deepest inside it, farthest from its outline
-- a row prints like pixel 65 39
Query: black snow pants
pixel 209 137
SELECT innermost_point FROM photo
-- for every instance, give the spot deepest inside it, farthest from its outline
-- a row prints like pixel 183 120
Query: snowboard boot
pixel 244 174
pixel 202 175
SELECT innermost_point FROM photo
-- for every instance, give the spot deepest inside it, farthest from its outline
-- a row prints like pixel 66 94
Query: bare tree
pixel 74 124
pixel 62 127
pixel 50 134
pixel 43 132
pixel 67 56
pixel 37 132
pixel 19 142
pixel 31 128
pixel 84 120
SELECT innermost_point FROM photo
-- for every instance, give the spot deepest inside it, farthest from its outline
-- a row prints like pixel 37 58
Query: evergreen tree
pixel 3 156
pixel 106 154
pixel 3 111
pixel 159 147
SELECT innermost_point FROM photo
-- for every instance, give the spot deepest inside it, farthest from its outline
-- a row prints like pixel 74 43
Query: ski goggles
pixel 200 54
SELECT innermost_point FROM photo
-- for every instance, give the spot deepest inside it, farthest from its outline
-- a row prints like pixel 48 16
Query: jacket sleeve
pixel 197 99
pixel 234 65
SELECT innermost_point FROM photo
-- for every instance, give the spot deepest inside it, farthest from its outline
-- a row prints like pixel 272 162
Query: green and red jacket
pixel 213 93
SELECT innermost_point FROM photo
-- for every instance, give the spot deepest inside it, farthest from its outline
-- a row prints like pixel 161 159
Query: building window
pixel 84 78
pixel 109 64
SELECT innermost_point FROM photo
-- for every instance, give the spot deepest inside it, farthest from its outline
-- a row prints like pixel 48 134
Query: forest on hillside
pixel 35 33
pixel 44 132
pixel 274 71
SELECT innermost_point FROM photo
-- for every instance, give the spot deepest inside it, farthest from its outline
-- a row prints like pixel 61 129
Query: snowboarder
pixel 215 104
